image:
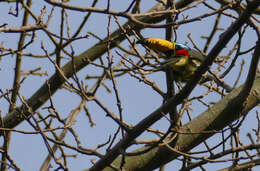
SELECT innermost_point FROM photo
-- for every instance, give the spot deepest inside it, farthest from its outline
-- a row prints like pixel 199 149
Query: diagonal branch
pixel 174 101
pixel 196 131
pixel 16 116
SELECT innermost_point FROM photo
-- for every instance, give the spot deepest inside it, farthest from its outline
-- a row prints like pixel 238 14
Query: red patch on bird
pixel 182 52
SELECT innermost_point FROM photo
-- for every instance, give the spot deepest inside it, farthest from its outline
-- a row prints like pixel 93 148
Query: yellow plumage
pixel 158 44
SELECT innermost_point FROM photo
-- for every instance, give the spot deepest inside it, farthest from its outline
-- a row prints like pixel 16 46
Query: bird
pixel 182 60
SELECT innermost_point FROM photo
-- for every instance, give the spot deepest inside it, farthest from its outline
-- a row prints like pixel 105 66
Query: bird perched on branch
pixel 182 59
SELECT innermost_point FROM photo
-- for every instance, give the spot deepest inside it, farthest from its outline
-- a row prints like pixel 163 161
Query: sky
pixel 138 99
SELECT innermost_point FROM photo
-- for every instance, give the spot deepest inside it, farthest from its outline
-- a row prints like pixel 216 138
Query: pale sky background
pixel 138 100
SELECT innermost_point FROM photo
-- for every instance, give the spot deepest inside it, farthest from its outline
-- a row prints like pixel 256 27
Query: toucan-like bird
pixel 183 60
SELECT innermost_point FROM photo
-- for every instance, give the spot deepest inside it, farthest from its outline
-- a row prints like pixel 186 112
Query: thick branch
pixel 174 101
pixel 18 115
pixel 196 131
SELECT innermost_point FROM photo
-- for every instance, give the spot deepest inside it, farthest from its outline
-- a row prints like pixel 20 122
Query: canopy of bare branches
pixel 78 92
